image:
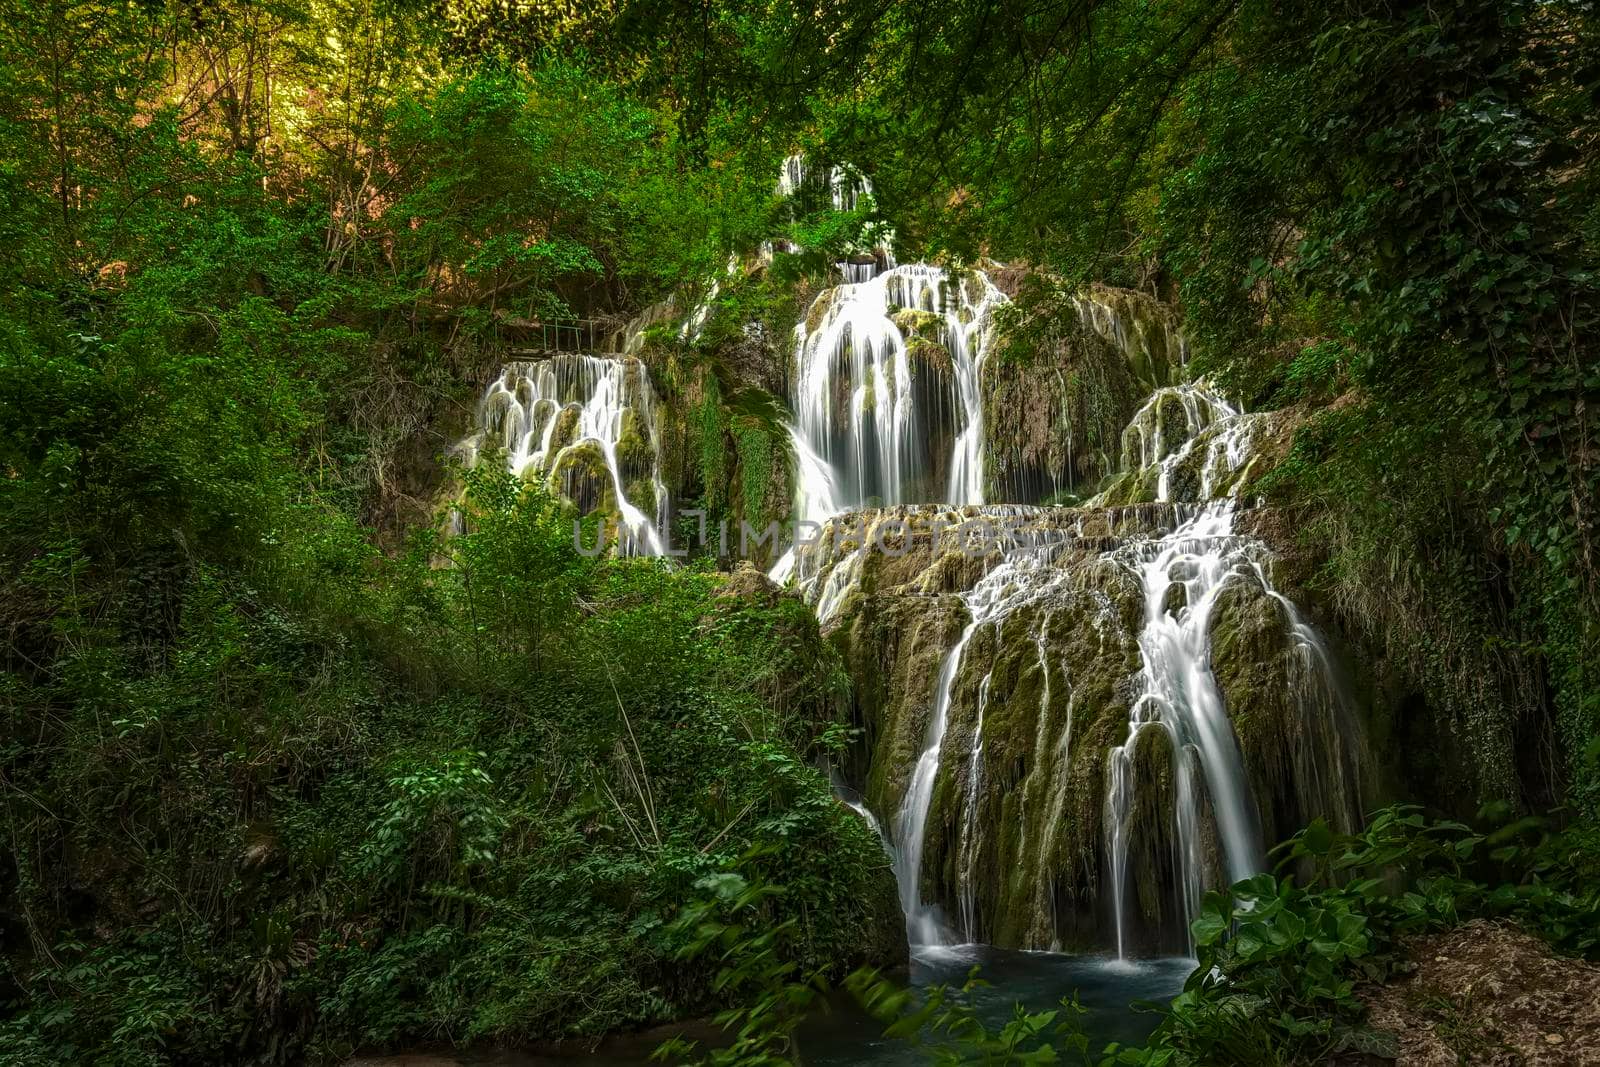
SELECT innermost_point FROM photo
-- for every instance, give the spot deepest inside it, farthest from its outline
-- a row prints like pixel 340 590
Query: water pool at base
pixel 1106 987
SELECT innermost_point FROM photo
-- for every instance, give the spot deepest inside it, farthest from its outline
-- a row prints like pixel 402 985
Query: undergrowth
pixel 1280 956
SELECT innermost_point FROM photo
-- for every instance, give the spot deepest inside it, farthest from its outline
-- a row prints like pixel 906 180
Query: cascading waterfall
pixel 881 422
pixel 859 434
pixel 1180 695
pixel 1181 557
pixel 1182 575
pixel 558 417
pixel 1023 576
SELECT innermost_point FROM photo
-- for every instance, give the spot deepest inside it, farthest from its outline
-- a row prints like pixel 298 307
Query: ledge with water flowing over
pixel 1078 724
pixel 586 425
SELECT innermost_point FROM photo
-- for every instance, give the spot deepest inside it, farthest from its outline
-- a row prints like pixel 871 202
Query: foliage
pixel 270 792
pixel 456 800
pixel 773 997
pixel 1278 961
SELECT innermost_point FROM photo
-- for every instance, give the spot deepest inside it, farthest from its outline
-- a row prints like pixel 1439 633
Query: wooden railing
pixel 571 336
pixel 527 340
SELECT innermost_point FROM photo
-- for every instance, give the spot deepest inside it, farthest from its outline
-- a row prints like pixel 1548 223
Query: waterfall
pixel 887 425
pixel 1182 574
pixel 578 420
pixel 866 407
pixel 1024 575
pixel 970 834
pixel 1144 583
pixel 911 824
pixel 1180 695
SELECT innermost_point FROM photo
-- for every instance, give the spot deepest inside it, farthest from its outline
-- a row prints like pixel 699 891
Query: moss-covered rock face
pixel 1302 746
pixel 1068 375
pixel 580 474
pixel 1015 850
pixel 1144 329
pixel 1055 399
pixel 566 428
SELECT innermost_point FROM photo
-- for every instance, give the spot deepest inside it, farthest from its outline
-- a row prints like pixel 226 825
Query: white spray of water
pixel 1022 577
pixel 592 402
pixel 857 434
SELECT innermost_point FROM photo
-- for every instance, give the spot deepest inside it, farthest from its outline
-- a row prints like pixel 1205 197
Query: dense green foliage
pixel 284 769
pixel 268 791
pixel 457 800
pixel 1279 957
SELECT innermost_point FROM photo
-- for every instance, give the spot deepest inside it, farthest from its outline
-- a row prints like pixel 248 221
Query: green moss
pixel 1151 333
pixel 756 458
pixel 1055 401
pixel 566 428
pixel 633 448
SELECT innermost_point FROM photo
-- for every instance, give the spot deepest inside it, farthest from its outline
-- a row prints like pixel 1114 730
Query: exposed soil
pixel 1487 993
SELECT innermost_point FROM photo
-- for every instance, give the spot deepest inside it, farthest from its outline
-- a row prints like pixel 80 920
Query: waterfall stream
pixel 874 394
pixel 580 419
pixel 857 421
pixel 1194 448
pixel 1022 577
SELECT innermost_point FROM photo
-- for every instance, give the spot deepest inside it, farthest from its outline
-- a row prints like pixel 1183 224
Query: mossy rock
pixel 566 428
pixel 633 446
pixel 911 321
pixel 579 473
pixel 1056 398
pixel 1033 847
pixel 1151 340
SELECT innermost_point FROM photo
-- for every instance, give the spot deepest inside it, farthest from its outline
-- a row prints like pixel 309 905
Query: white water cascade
pixel 555 416
pixel 1180 696
pixel 1174 561
pixel 1182 575
pixel 887 413
pixel 1022 577
pixel 862 421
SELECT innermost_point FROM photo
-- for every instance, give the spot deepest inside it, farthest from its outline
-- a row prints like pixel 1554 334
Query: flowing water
pixel 1182 575
pixel 558 418
pixel 858 424
pixel 885 395
pixel 846 1036
pixel 1193 447
pixel 1023 576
